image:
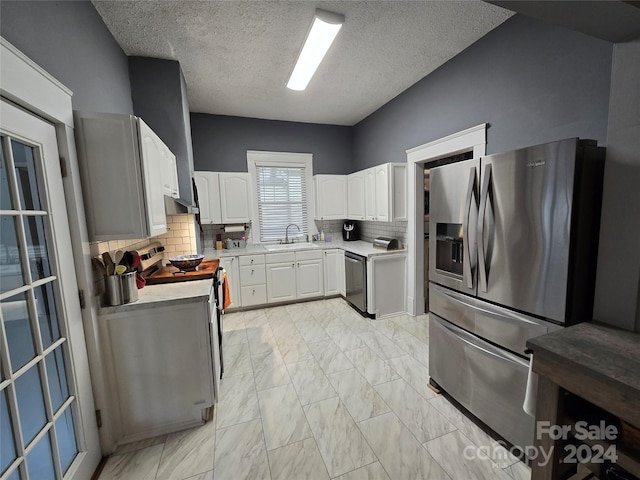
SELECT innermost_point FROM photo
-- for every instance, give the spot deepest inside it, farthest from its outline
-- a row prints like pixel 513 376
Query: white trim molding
pixel 24 82
pixel 284 159
pixel 472 139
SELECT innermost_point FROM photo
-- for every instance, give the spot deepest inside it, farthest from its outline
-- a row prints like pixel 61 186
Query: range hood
pixel 176 206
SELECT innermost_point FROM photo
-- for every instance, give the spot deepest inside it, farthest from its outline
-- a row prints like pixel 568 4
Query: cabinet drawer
pixel 309 255
pixel 254 295
pixel 251 260
pixel 288 257
pixel 252 275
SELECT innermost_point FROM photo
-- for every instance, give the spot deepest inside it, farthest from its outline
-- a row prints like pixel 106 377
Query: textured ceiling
pixel 237 55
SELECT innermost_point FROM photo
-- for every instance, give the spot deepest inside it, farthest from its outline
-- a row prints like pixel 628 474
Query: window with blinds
pixel 282 200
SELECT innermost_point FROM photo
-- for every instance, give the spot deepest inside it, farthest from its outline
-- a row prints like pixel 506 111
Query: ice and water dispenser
pixel 449 248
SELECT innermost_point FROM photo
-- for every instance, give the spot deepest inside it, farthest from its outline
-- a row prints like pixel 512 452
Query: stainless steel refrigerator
pixel 512 255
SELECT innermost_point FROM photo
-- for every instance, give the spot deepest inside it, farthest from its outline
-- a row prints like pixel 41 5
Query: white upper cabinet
pixel 331 197
pixel 385 189
pixel 121 165
pixel 208 186
pixel 154 154
pixel 383 186
pixel 355 191
pixel 235 197
pixel 224 197
pixel 370 203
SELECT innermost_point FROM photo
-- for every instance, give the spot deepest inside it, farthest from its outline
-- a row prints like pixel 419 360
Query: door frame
pixel 29 86
pixel 472 139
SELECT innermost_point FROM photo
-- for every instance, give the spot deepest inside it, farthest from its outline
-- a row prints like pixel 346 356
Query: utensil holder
pixel 113 287
pixel 121 289
pixel 129 287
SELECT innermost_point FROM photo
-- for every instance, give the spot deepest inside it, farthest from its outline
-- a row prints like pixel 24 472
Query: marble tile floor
pixel 315 391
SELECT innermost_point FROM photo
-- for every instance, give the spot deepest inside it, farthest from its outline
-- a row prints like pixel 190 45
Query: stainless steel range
pixel 513 243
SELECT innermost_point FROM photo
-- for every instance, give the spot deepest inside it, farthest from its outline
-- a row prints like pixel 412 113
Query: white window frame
pixel 279 159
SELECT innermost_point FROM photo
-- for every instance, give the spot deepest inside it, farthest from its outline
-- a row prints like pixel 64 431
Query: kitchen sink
pixel 290 246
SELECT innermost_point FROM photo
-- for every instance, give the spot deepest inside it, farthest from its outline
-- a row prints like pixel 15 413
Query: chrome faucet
pixel 286 232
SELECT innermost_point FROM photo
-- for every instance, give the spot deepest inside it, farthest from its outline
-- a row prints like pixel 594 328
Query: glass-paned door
pixel 42 431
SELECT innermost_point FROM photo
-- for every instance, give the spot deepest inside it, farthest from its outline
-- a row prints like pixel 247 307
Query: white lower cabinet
pixel 294 275
pixel 253 295
pixel 334 281
pixel 232 269
pixel 342 279
pixel 310 275
pixel 386 284
pixel 158 363
pixel 281 277
pixel 253 288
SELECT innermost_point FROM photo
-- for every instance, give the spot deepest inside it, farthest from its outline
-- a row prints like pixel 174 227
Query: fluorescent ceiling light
pixel 323 31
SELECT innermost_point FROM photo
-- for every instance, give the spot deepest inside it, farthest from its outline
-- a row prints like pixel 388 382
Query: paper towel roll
pixel 233 228
pixel 529 405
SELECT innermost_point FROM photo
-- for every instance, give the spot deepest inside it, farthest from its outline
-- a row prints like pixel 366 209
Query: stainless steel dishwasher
pixel 355 267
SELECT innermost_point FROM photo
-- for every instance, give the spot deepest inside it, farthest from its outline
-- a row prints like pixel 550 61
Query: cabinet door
pixel 110 167
pixel 161 358
pixel 169 174
pixel 331 197
pixel 331 272
pixel 214 340
pixel 370 212
pixel 355 191
pixel 398 193
pixel 281 282
pixel 342 279
pixel 235 195
pixel 230 265
pixel 310 278
pixel 152 148
pixel 382 192
pixel 387 298
pixel 208 197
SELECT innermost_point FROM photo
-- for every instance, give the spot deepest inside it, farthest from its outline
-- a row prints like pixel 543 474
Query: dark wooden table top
pixel 610 354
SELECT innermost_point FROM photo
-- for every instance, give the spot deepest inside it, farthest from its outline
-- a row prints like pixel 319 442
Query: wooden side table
pixel 601 365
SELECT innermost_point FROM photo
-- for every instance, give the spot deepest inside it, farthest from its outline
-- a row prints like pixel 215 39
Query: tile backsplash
pixel 180 239
pixel 211 232
pixel 368 230
pixel 371 230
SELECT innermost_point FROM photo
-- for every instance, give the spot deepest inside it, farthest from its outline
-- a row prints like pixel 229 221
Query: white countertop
pixel 153 296
pixel 359 247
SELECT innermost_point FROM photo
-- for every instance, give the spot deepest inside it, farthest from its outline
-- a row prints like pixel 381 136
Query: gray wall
pixel 70 41
pixel 220 143
pixel 159 97
pixel 617 299
pixel 531 81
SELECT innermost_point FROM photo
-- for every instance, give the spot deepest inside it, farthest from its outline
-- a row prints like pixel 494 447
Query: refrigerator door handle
pixel 470 263
pixel 482 259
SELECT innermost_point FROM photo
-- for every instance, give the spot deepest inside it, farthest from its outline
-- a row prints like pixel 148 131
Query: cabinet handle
pixel 252 260
pixel 253 291
pixel 252 270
